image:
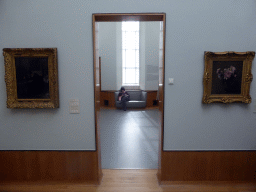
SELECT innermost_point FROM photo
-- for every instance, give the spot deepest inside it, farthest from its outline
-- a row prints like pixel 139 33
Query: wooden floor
pixel 130 181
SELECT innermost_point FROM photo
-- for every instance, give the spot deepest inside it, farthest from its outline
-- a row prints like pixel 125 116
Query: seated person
pixel 123 96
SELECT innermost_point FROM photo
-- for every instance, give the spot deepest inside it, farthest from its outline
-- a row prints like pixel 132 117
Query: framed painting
pixel 31 76
pixel 227 77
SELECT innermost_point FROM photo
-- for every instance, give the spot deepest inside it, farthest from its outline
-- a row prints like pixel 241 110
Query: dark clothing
pixel 125 94
pixel 124 98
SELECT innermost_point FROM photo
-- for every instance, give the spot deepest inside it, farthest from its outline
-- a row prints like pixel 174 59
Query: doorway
pixel 97 75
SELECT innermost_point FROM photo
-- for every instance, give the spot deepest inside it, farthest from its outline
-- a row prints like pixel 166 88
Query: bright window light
pixel 130 53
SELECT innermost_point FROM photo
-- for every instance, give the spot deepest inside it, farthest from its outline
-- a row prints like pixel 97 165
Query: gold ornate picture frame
pixel 227 77
pixel 31 76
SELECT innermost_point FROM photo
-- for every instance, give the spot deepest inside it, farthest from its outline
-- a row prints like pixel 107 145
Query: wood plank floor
pixel 131 181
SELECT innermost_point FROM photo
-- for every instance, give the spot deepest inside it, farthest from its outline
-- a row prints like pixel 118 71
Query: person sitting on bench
pixel 123 97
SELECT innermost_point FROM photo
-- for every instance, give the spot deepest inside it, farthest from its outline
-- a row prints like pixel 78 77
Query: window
pixel 130 53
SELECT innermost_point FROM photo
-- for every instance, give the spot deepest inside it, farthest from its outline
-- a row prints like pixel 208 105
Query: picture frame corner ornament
pixel 247 99
pixel 252 53
pixel 208 53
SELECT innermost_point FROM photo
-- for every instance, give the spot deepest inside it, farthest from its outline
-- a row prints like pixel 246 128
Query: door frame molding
pixel 108 17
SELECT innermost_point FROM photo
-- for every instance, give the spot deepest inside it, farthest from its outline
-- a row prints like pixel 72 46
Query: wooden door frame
pixel 110 17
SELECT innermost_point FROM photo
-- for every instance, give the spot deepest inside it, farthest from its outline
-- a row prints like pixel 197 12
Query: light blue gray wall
pixel 66 25
pixel 108 53
pixel 118 55
pixel 149 55
pixel 151 63
pixel 192 27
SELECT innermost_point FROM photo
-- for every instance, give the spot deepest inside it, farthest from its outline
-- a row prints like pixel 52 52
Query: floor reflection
pixel 129 139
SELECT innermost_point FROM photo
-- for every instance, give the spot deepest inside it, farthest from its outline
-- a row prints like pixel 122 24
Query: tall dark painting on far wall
pixel 31 77
pixel 227 77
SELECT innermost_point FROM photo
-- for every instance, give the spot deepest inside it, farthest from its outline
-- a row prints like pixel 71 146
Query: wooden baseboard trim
pixel 207 166
pixel 49 166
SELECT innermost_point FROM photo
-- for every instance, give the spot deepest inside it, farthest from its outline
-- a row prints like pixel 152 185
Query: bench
pixel 138 99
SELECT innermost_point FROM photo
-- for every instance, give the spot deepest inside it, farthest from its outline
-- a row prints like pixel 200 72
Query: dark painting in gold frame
pixel 31 76
pixel 227 77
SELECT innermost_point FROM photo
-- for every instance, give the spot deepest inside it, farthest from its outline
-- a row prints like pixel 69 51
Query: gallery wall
pixel 67 26
pixel 108 52
pixel 192 27
pixel 151 63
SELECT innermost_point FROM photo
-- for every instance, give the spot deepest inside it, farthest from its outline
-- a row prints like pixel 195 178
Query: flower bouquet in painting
pixel 227 76
pixel 230 80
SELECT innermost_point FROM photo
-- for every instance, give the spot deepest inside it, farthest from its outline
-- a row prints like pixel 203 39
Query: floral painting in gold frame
pixel 227 77
pixel 31 76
